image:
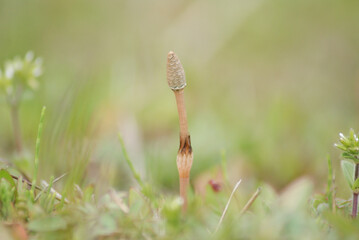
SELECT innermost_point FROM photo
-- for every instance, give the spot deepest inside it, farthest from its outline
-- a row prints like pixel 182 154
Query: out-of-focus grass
pixel 274 80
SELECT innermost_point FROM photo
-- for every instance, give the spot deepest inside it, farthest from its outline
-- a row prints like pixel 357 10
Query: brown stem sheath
pixel 184 164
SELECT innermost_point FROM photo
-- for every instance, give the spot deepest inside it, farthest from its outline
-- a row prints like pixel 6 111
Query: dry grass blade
pixel 226 208
pixel 46 186
pixel 250 201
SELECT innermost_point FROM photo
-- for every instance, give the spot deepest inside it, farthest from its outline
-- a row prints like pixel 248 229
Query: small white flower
pixel 37 71
pixel 9 71
pixel 176 203
pixel 335 145
pixel 341 135
pixel 29 56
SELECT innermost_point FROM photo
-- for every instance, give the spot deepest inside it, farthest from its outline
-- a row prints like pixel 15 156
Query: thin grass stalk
pixel 135 174
pixel 37 150
pixel 250 201
pixel 227 205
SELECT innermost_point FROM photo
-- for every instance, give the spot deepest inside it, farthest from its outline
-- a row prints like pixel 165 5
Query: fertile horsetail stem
pixel 177 82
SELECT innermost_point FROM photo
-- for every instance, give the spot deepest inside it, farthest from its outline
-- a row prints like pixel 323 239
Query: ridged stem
pixel 184 183
pixel 177 81
pixel 181 113
pixel 185 151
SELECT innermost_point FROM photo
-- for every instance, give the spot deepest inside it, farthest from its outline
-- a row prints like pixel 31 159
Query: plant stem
pixel 184 164
pixel 181 113
pixel 177 82
pixel 14 111
pixel 184 155
pixel 37 149
pixel 184 183
pixel 355 195
pixel 14 103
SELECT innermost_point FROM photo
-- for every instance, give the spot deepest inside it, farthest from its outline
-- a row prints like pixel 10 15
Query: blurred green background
pixel 270 82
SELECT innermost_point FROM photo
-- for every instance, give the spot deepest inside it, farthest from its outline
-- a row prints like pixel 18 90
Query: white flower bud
pixel 29 56
pixel 9 71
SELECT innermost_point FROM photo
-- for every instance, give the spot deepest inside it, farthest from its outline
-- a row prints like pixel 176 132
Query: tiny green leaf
pixel 355 187
pixel 341 147
pixel 6 175
pixel 348 171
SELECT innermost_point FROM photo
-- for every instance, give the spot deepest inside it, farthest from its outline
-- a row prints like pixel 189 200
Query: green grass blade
pixel 130 164
pixel 4 174
pixel 37 149
pixel 330 175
